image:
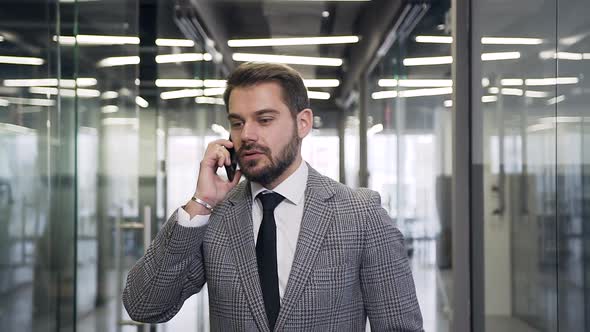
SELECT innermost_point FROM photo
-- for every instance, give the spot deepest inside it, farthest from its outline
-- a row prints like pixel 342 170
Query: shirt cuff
pixel 197 221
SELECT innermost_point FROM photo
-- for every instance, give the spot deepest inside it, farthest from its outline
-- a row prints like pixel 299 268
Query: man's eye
pixel 236 124
pixel 265 120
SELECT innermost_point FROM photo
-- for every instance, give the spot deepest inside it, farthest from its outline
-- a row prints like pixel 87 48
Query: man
pixel 287 250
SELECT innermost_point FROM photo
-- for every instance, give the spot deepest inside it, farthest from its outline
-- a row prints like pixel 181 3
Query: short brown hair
pixel 252 73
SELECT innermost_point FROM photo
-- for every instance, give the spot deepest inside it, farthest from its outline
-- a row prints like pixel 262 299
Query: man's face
pixel 264 132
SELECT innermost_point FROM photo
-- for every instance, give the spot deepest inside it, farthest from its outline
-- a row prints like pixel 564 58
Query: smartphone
pixel 231 169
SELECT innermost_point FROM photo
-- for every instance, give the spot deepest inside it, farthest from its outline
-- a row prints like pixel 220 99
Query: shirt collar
pixel 292 188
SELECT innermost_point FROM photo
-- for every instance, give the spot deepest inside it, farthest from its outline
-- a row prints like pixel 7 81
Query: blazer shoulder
pixel 344 193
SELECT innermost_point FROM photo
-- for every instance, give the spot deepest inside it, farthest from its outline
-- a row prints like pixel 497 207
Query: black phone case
pixel 231 169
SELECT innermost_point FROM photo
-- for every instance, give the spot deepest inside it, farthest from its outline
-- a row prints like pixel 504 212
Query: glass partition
pixel 531 96
pixel 409 153
pixel 572 129
pixel 37 170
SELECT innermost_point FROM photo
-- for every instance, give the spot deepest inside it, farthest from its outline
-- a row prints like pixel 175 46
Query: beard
pixel 276 167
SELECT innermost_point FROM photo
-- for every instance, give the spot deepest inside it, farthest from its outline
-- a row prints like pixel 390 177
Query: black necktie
pixel 266 255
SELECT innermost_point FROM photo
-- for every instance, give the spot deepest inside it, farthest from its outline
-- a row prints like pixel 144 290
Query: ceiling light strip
pixel 21 60
pixel 292 41
pixel 288 59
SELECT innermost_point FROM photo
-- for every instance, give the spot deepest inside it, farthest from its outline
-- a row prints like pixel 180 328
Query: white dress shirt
pixel 288 216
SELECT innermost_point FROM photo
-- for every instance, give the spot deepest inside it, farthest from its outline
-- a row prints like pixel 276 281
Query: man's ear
pixel 304 122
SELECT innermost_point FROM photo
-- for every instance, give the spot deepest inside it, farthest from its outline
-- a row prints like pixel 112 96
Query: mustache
pixel 253 147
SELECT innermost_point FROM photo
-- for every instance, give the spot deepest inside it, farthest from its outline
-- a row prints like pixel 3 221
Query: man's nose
pixel 249 132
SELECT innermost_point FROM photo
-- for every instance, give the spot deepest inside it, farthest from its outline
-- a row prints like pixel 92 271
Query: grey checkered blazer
pixel 349 263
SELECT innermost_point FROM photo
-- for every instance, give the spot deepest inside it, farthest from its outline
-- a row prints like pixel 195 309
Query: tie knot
pixel 270 200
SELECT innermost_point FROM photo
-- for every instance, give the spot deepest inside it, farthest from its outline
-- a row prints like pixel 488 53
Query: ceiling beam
pixel 200 17
pixel 375 24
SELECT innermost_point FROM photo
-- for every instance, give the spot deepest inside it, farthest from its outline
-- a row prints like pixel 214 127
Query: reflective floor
pixel 15 308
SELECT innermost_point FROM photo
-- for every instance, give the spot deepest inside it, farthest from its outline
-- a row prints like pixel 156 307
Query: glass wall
pixel 37 170
pixel 530 93
pixel 409 154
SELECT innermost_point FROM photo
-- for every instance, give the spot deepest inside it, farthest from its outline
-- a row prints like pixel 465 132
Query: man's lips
pixel 252 154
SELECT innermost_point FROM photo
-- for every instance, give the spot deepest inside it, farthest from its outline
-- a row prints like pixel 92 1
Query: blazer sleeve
pixel 389 293
pixel 170 272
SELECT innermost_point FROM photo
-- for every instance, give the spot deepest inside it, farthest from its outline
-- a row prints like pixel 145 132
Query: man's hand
pixel 211 188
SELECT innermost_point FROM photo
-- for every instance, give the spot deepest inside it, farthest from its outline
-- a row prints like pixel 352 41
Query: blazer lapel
pixel 241 238
pixel 317 217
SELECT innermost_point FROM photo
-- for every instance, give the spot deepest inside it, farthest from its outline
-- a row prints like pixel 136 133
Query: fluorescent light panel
pixel 500 56
pixel 82 93
pixel 484 40
pixel 412 93
pixel 321 83
pixel 434 39
pixel 536 94
pixel 428 61
pixel 109 109
pixel 551 81
pixel 21 60
pixel 175 42
pixel 214 83
pixel 510 41
pixel 443 60
pixel 415 83
pixel 489 99
pixel 556 100
pixel 213 91
pixel 179 83
pixel 109 95
pixel 209 100
pixel 318 95
pixel 118 61
pixel 288 59
pixel 96 40
pixel 183 57
pixel 425 92
pixel 30 101
pixel 292 41
pixel 64 83
pixel 141 102
pixel 384 94
pixel 211 83
pixel 511 92
pixel 181 94
pixel 512 82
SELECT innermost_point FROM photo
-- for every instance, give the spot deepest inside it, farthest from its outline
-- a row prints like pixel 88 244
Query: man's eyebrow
pixel 266 110
pixel 234 116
